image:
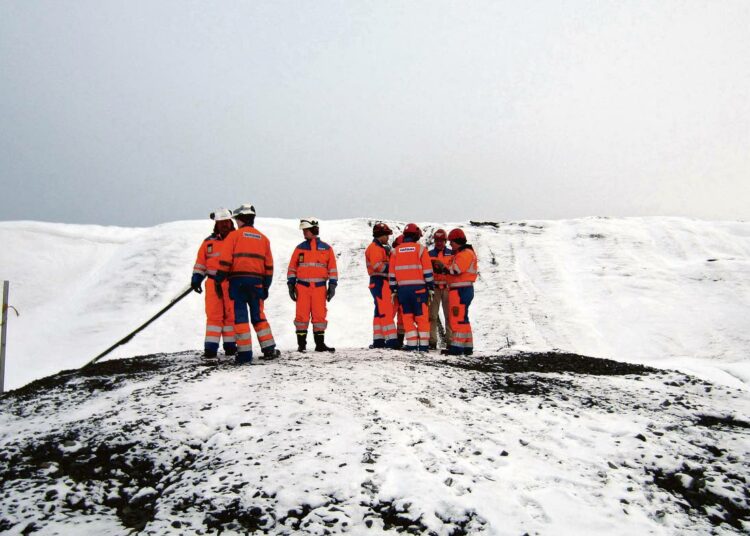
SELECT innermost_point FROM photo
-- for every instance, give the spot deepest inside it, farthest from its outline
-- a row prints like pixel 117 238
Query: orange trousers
pixel 459 300
pixel 383 328
pixel 219 317
pixel 311 303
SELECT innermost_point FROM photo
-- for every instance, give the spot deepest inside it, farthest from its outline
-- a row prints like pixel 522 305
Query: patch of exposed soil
pixel 713 421
pixel 550 362
pixel 115 466
pixel 394 517
pixel 105 375
pixel 691 485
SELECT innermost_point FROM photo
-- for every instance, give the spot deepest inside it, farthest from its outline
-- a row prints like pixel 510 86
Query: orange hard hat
pixel 440 235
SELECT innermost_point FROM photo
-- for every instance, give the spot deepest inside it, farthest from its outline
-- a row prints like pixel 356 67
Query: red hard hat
pixel 439 235
pixel 412 229
pixel 456 234
pixel 380 229
pixel 398 241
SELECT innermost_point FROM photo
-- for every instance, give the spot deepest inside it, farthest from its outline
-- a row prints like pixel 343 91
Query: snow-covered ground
pixel 670 292
pixel 362 442
pixel 515 440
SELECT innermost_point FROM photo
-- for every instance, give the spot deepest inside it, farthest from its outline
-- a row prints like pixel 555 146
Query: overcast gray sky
pixel 141 112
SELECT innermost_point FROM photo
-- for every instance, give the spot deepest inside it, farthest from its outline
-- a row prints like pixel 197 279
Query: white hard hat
pixel 308 223
pixel 221 214
pixel 247 208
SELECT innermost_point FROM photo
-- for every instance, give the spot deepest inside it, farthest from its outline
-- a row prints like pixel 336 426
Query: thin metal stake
pixel 3 331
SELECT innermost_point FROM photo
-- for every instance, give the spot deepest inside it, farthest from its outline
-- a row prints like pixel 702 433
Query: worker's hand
pixel 264 293
pixel 394 294
pixel 439 267
pixel 195 283
pixel 331 292
pixel 220 276
pixel 430 296
pixel 293 292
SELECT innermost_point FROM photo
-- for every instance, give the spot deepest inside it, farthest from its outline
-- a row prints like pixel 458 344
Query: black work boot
pixel 399 341
pixel 301 342
pixel 271 353
pixel 320 345
pixel 209 354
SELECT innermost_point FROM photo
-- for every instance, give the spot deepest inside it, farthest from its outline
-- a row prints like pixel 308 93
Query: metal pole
pixel 3 331
pixel 133 333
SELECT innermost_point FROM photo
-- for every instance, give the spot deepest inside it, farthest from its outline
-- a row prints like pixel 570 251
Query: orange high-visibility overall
pixel 247 261
pixel 383 328
pixel 461 276
pixel 219 306
pixel 313 264
pixel 410 274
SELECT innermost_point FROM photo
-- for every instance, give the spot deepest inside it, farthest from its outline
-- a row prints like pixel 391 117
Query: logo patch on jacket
pixel 210 248
pixel 300 258
pixel 251 235
pixel 407 249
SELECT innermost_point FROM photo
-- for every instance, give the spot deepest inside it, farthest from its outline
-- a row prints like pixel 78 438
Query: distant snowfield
pixel 668 292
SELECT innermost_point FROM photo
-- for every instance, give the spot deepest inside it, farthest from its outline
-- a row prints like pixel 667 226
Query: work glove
pixel 195 283
pixel 292 292
pixel 331 292
pixel 439 267
pixel 264 293
pixel 220 276
pixel 218 289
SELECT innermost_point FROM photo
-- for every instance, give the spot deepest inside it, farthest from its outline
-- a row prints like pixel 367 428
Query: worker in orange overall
pixel 461 275
pixel 219 307
pixel 247 262
pixel 313 264
pixel 398 313
pixel 376 256
pixel 410 275
pixel 440 254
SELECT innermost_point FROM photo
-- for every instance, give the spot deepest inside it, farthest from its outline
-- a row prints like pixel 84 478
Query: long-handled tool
pixel 441 331
pixel 140 328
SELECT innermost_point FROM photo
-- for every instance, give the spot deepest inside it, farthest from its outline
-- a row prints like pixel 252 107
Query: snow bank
pixel 669 292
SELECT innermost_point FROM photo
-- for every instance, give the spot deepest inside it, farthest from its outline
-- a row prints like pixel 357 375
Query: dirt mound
pixel 549 362
pixel 102 375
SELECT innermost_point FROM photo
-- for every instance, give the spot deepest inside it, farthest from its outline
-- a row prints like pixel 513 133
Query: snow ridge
pixel 672 292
